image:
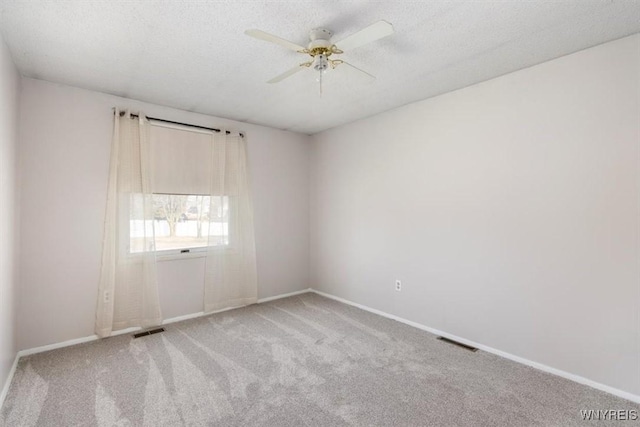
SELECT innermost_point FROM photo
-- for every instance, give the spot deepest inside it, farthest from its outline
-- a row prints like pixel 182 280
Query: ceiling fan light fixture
pixel 320 63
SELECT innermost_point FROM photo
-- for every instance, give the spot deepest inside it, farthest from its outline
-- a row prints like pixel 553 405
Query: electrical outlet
pixel 106 296
pixel 398 285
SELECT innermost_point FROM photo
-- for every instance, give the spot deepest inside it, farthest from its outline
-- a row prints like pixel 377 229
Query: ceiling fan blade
pixel 258 34
pixel 358 69
pixel 289 73
pixel 367 35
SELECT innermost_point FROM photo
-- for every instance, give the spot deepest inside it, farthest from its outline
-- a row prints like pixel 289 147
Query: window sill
pixel 177 256
pixel 172 255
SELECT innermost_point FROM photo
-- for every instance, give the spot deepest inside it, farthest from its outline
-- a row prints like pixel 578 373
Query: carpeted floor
pixel 300 361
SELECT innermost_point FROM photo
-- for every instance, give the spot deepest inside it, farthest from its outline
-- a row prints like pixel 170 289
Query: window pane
pixel 183 222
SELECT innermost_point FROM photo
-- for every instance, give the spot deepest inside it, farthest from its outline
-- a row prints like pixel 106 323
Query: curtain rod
pixel 182 124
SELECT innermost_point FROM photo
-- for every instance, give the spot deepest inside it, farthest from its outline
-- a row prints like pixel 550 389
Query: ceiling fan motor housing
pixel 320 34
pixel 320 43
pixel 319 47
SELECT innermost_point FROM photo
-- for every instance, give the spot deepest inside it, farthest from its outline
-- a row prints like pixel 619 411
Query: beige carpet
pixel 300 361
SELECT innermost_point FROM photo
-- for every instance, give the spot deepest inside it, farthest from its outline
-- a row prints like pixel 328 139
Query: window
pixel 180 222
pixel 183 212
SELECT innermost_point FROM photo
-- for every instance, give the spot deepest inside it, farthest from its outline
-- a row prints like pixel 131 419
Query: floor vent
pixel 145 333
pixel 459 344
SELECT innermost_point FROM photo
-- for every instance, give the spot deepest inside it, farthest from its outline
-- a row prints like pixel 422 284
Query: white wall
pixel 65 148
pixel 509 209
pixel 9 89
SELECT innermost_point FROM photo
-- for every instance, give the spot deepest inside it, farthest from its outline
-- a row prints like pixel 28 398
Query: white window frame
pixel 172 254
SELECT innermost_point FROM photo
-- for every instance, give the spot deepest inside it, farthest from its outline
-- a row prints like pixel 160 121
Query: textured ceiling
pixel 194 55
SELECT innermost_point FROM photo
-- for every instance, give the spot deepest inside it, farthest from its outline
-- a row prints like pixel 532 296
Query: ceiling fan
pixel 321 48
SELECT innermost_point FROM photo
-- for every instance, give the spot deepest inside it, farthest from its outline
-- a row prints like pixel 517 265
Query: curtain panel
pixel 128 288
pixel 230 272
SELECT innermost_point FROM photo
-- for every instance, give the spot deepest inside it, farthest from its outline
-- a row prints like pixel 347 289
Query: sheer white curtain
pixel 128 290
pixel 230 273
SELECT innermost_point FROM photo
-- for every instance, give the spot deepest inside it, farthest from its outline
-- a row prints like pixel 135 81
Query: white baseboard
pixel 196 315
pixel 290 294
pixel 7 383
pixel 90 338
pixel 184 317
pixel 202 313
pixel 48 347
pixel 576 378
